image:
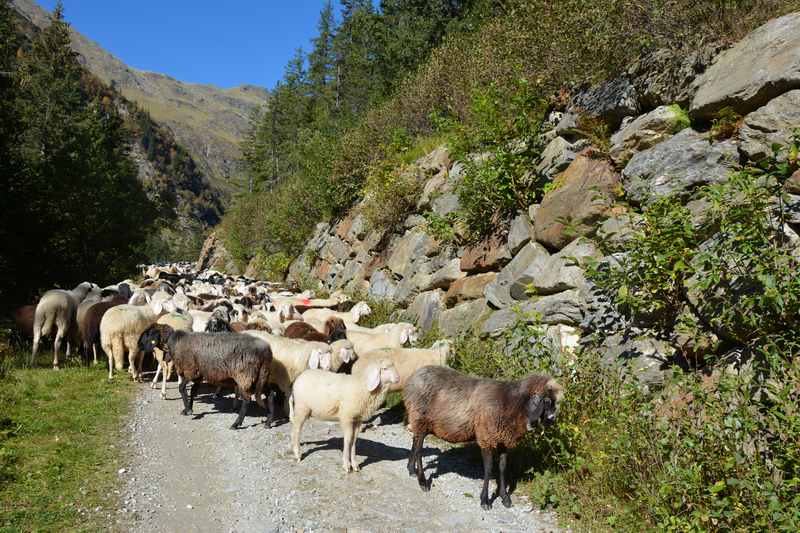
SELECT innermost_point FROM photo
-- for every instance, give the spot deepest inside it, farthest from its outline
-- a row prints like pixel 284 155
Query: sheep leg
pixel 412 456
pixel 187 410
pixel 242 412
pixel 56 348
pixel 353 461
pixel 502 485
pixel 298 420
pixel 164 384
pixel 488 457
pixel 270 408
pixel 155 378
pixel 94 350
pixel 347 430
pixel 192 394
pixel 423 483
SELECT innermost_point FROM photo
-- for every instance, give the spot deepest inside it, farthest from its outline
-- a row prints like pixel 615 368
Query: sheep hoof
pixel 356 468
pixel 163 396
pixel 153 386
pixel 234 426
pixel 486 505
pixel 412 470
pixel 506 501
pixel 187 412
pixel 56 367
pixel 425 486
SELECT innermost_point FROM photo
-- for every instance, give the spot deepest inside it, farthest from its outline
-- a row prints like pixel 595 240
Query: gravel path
pixel 199 475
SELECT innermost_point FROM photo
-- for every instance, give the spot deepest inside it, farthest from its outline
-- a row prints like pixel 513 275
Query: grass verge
pixel 60 448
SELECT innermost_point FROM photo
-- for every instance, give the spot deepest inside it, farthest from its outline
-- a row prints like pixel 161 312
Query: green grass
pixel 60 448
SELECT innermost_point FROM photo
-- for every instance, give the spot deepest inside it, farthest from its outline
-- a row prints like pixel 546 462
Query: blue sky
pixel 226 43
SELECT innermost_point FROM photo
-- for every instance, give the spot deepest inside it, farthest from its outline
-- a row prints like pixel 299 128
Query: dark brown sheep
pixel 460 408
pixel 217 359
pixel 89 326
pixel 335 330
pixel 23 319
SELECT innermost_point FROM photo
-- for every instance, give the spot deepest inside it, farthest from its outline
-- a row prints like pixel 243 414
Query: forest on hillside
pixel 73 205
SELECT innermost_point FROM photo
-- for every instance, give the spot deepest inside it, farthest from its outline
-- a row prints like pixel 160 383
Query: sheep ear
pixel 157 308
pixel 345 355
pixel 373 378
pixel 404 336
pixel 313 361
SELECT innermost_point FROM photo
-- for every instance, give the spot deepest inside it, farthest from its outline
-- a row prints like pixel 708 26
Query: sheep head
pixel 543 405
pixel 359 310
pixel 380 373
pixel 320 359
pixel 154 337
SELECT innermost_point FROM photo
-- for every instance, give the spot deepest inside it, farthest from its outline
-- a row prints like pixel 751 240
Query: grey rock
pixel 568 126
pixel 619 230
pixel 499 321
pixel 770 124
pixel 412 221
pixel 435 186
pixel 763 65
pixel 520 233
pixel 381 286
pixel 556 273
pixel 532 209
pixel 498 292
pixel 456 173
pixel 611 101
pixel 318 240
pixel 412 247
pixel 563 308
pixel 426 308
pixel 646 358
pixel 445 204
pixel 446 275
pixel 461 318
pixel 677 165
pixel 358 228
pixel 335 250
pixel 558 154
pixel 645 132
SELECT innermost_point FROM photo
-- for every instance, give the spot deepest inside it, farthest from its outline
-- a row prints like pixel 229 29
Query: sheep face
pixel 320 359
pixel 154 337
pixel 544 407
pixel 359 310
pixel 382 373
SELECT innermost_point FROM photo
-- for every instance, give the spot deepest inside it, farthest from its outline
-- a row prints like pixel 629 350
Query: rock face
pixel 558 154
pixel 770 124
pixel 610 101
pixel 426 309
pixel 646 131
pixel 213 255
pixel 758 68
pixel 489 254
pixel 579 205
pixel 461 318
pixel 469 288
pixel 677 165
pixel 498 292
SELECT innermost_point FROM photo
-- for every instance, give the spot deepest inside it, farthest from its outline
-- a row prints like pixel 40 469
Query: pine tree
pixel 322 68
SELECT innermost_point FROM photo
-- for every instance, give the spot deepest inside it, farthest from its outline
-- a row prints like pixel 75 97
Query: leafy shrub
pixel 273 267
pixel 726 123
pixel 440 227
pixel 735 269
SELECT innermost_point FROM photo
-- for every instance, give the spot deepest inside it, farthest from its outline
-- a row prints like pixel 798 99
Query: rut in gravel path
pixel 196 474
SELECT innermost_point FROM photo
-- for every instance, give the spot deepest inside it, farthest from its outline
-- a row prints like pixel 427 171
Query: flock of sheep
pixel 292 354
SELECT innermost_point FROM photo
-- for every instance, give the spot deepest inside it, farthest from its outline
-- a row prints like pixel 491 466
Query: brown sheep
pixel 89 326
pixel 334 330
pixel 239 327
pixel 23 319
pixel 459 408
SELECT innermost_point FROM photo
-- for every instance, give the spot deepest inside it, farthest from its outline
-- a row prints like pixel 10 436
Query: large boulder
pixel 588 189
pixel 647 359
pixel 763 65
pixel 498 292
pixel 770 124
pixel 520 232
pixel 381 286
pixel 489 254
pixel 413 246
pixel 426 308
pixel 677 165
pixel 461 318
pixel 558 154
pixel 469 288
pixel 646 131
pixel 553 274
pixel 610 101
pixel 443 277
pixel 563 308
pixel 335 250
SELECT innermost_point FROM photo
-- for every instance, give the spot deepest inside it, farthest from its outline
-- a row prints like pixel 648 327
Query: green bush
pixel 273 267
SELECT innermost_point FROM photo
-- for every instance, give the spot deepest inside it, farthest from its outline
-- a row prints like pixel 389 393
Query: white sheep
pixel 407 360
pixel 290 357
pixel 58 308
pixel 350 318
pixel 120 330
pixel 178 322
pixel 342 352
pixel 350 399
pixel 394 337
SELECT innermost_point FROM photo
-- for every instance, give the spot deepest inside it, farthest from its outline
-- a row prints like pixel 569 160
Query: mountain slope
pixel 208 121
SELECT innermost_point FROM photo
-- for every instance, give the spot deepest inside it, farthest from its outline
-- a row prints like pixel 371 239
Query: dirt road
pixel 195 474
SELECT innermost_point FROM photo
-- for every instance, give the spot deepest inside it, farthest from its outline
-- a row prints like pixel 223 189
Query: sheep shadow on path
pixel 466 461
pixel 372 451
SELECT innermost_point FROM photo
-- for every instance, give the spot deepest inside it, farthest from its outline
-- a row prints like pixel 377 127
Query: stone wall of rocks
pixel 537 263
